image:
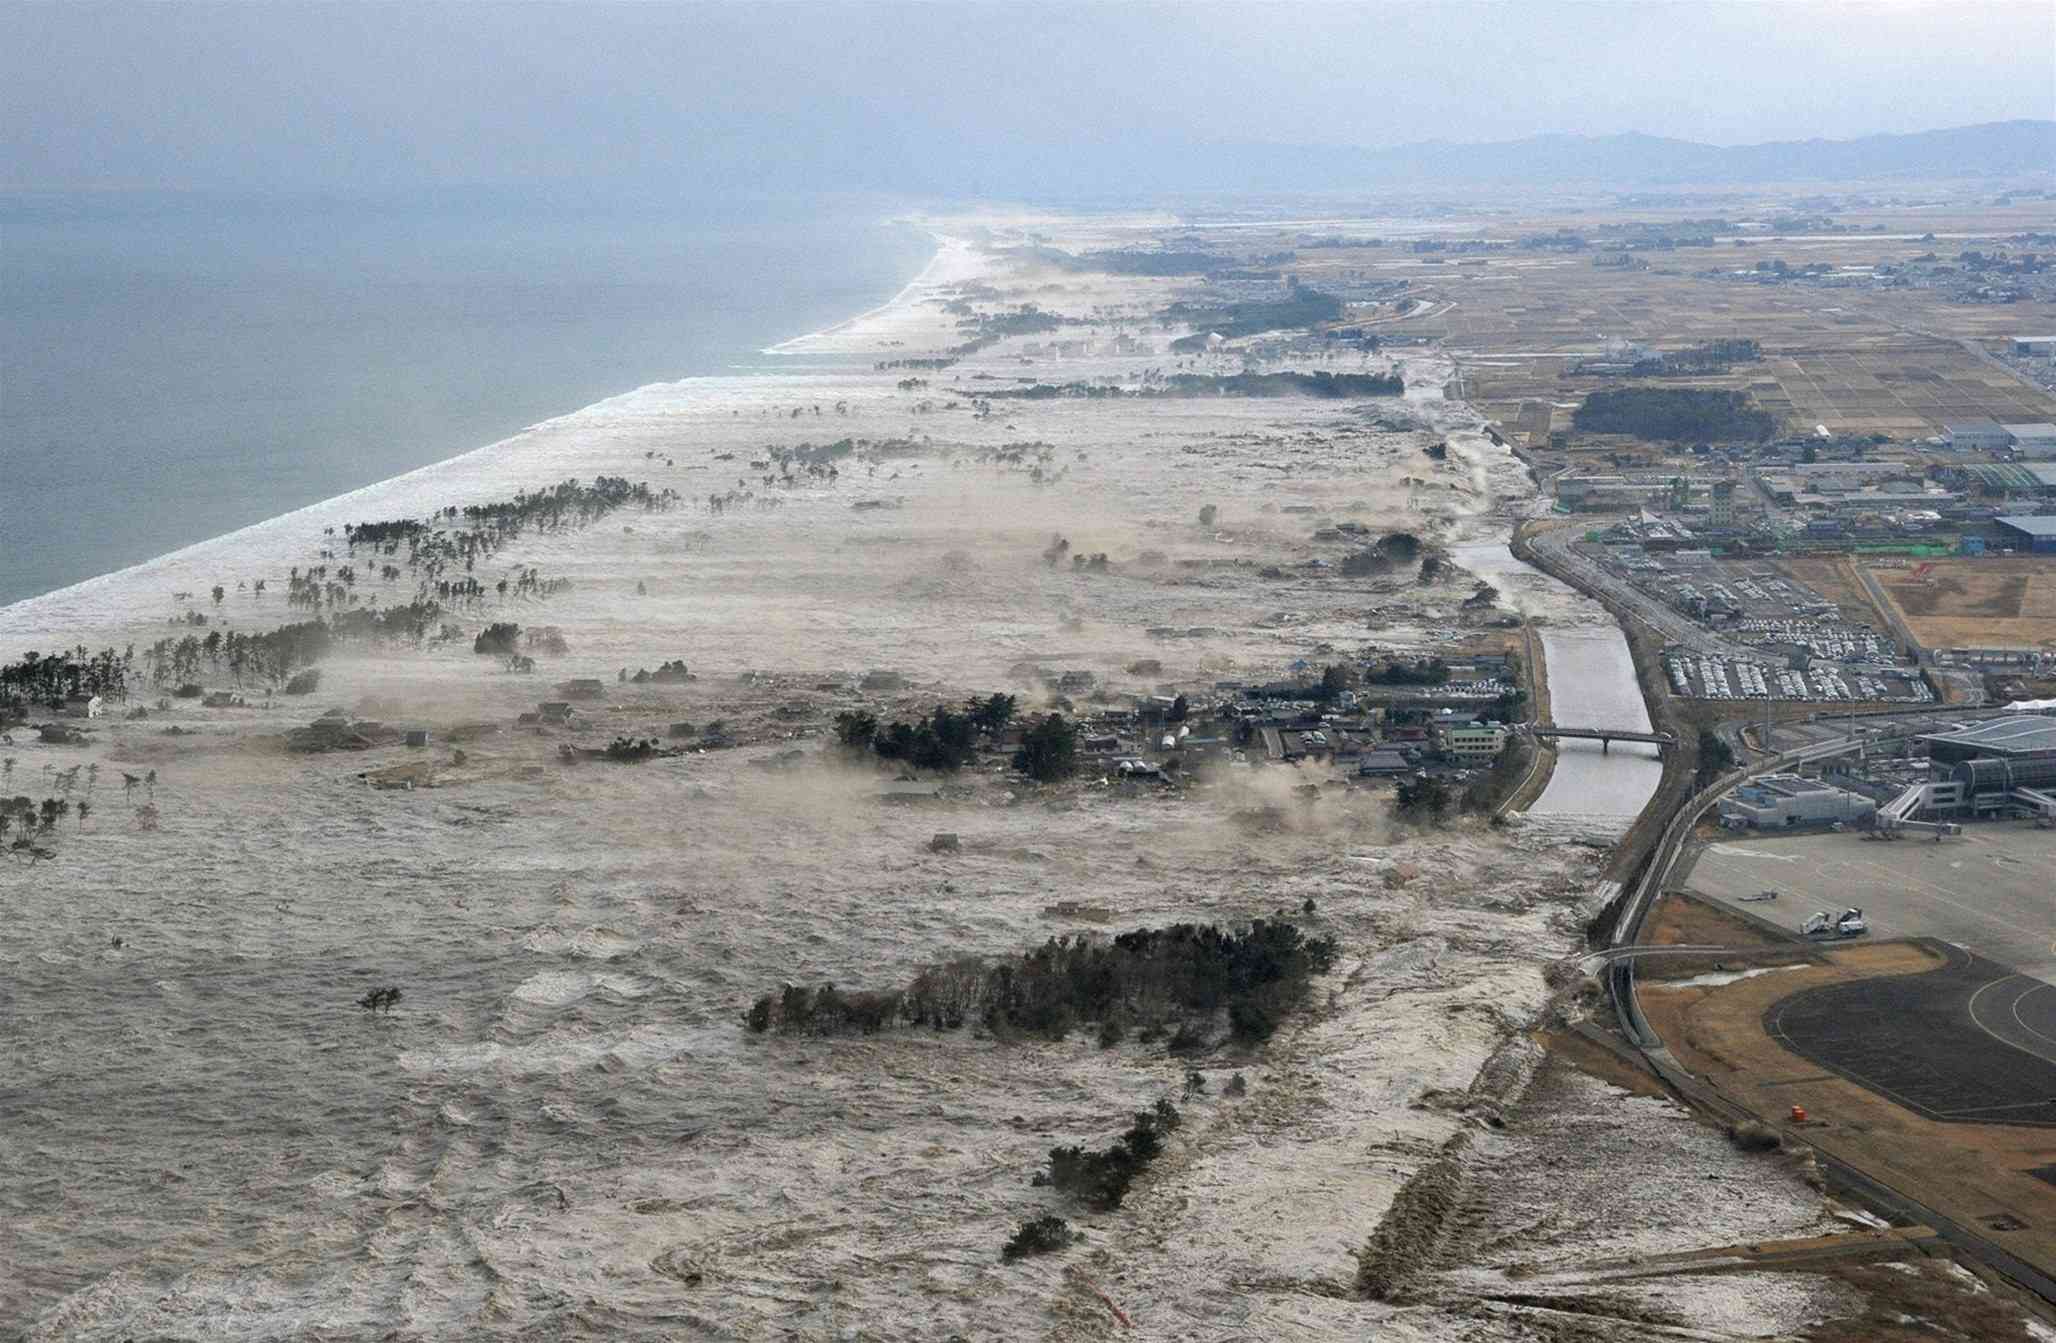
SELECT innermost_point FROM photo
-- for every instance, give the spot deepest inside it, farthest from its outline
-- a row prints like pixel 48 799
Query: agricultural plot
pixel 1976 603
pixel 1896 362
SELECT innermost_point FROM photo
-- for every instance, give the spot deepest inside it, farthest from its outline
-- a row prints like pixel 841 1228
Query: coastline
pixel 242 379
pixel 38 622
pixel 933 275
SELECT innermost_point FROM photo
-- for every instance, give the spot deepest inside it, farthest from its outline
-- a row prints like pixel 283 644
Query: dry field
pixel 2007 603
pixel 1900 363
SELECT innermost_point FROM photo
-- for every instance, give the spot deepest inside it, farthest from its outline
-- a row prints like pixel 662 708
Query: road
pixel 1555 544
pixel 1907 643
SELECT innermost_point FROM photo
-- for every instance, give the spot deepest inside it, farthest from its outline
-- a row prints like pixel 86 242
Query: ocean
pixel 176 366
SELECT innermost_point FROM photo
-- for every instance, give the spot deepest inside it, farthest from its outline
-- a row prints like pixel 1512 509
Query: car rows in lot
pixel 1831 639
pixel 1711 676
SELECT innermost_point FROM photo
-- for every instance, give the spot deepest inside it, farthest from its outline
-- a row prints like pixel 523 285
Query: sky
pixel 269 94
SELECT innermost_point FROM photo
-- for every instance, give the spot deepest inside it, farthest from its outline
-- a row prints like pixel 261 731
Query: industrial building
pixel 2022 737
pixel 2031 346
pixel 2035 442
pixel 1977 436
pixel 2015 480
pixel 2035 534
pixel 1787 801
pixel 1614 494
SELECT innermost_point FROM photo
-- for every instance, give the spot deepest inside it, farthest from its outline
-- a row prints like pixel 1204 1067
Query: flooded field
pixel 563 1130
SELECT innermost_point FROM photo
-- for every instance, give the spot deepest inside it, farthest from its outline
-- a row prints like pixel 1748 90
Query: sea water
pixel 175 366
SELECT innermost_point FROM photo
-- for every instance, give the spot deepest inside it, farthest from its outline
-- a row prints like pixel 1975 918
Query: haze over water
pixel 181 365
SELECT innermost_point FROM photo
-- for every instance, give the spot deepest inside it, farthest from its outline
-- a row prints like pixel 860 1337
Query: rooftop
pixel 2005 736
pixel 2041 524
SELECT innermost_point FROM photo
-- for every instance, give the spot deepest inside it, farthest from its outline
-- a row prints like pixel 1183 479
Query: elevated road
pixel 1606 736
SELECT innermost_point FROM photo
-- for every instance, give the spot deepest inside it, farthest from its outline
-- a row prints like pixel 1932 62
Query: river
pixel 1592 683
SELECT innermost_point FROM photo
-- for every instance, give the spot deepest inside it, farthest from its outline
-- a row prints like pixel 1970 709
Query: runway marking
pixel 2014 1009
pixel 2038 988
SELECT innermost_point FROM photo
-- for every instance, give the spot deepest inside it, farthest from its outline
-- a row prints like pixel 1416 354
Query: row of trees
pixel 1186 972
pixel 275 655
pixel 1321 384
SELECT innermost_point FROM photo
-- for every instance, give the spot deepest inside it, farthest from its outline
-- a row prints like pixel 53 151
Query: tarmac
pixel 1991 892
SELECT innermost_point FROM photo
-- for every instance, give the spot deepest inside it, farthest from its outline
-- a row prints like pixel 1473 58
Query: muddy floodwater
pixel 562 1128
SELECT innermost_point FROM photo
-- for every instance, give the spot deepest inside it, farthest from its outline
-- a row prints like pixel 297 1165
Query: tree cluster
pixel 36 679
pixel 1320 384
pixel 1038 1235
pixel 1431 672
pixel 1716 758
pixel 1049 750
pixel 1305 307
pixel 500 639
pixel 1423 797
pixel 944 740
pixel 1101 1179
pixel 1135 262
pixel 1675 415
pixel 1185 972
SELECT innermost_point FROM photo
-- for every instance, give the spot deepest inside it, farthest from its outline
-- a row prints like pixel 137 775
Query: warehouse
pixel 2035 442
pixel 2036 534
pixel 1977 436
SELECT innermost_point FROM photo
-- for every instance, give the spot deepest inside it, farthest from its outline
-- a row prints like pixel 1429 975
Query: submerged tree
pixel 380 1000
pixel 1049 750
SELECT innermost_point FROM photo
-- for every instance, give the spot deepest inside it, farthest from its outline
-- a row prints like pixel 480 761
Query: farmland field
pixel 2006 603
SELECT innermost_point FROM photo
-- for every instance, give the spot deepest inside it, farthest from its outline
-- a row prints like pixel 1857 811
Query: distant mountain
pixel 1995 148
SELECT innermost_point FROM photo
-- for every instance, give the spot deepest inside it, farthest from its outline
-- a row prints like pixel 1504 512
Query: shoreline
pixel 927 274
pixel 12 612
pixel 731 371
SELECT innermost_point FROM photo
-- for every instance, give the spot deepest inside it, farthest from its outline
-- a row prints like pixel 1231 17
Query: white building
pixel 1977 436
pixel 1781 801
pixel 2034 345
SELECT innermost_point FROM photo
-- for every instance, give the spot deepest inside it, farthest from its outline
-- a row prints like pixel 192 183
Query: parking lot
pixel 1989 891
pixel 1710 676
